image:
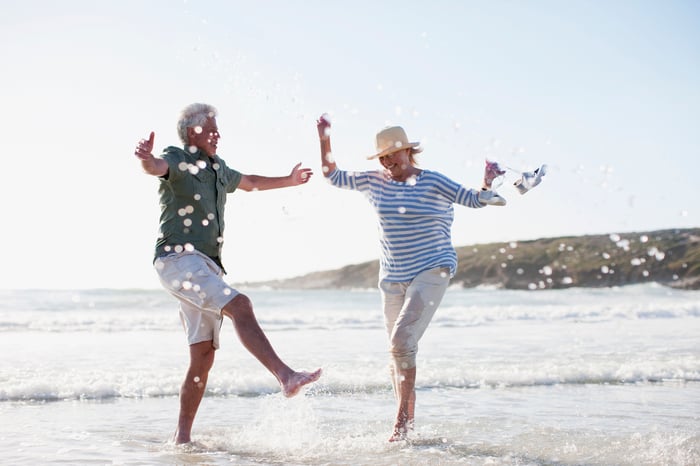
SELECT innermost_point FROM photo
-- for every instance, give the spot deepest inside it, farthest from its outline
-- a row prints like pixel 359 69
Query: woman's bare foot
pixel 297 380
pixel 401 430
pixel 398 435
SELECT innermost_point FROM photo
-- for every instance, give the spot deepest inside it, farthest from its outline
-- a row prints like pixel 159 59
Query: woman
pixel 417 260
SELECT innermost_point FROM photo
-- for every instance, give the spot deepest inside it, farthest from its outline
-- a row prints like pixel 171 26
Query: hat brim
pixel 411 145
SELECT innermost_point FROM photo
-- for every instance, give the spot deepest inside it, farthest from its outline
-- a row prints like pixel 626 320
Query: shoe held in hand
pixel 530 179
pixel 488 197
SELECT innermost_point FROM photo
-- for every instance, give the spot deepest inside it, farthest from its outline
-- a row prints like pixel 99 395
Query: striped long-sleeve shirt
pixel 415 219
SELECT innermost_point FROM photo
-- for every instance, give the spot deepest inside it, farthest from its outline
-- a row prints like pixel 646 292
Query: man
pixel 194 183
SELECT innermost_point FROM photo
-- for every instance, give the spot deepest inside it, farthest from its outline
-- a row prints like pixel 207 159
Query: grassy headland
pixel 669 257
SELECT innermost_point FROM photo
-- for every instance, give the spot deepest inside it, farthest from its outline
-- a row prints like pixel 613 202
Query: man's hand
pixel 144 148
pixel 300 175
pixel 150 164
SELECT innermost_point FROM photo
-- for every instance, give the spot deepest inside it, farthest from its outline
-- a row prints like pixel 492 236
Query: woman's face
pixel 398 164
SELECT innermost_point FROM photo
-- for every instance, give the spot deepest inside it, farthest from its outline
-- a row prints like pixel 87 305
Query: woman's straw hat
pixel 392 139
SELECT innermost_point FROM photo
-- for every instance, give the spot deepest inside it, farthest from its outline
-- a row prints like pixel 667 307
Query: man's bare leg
pixel 406 383
pixel 192 390
pixel 240 311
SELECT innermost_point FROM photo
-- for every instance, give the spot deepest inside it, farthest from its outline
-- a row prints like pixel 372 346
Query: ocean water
pixel 550 377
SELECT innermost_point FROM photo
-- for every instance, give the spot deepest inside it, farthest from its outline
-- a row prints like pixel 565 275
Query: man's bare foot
pixel 180 438
pixel 294 383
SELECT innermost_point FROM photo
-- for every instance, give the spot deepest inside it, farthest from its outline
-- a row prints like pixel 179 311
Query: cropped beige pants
pixel 408 309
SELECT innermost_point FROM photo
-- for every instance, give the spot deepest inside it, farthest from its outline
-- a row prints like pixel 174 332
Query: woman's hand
pixel 323 124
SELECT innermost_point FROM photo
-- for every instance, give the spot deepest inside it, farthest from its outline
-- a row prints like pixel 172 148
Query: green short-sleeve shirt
pixel 192 200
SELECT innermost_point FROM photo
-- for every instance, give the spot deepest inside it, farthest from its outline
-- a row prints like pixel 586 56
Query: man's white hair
pixel 193 115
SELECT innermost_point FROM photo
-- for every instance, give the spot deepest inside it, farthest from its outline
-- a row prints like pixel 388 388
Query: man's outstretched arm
pixel 261 183
pixel 151 165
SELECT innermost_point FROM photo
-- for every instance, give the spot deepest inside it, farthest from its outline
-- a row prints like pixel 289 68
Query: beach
pixel 580 376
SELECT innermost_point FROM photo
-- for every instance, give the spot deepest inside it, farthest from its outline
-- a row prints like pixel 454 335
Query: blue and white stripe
pixel 415 219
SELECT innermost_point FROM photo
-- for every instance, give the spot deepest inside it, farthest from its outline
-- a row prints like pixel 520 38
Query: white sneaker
pixel 530 179
pixel 488 197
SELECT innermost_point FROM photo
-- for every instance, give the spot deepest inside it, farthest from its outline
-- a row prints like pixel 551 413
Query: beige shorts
pixel 408 309
pixel 197 283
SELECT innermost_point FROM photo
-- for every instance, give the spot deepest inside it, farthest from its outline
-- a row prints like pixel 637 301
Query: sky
pixel 606 94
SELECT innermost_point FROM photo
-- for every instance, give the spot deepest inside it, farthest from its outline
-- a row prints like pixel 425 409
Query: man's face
pixel 205 137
